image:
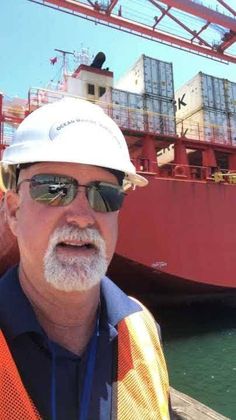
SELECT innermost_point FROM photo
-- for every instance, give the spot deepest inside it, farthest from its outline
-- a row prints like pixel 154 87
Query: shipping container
pixel 149 76
pixel 160 115
pixel 166 155
pixel 206 125
pixel 8 131
pixel 230 90
pixel 203 91
pixel 125 108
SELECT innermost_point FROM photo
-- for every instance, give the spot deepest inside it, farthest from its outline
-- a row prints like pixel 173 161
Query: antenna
pixel 64 60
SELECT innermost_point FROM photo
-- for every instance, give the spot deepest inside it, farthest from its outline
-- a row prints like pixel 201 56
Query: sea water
pixel 200 348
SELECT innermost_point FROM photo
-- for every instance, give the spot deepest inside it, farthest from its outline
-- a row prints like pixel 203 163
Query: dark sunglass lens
pixel 53 190
pixel 104 197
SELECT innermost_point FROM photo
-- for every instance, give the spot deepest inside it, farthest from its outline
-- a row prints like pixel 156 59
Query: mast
pixel 64 67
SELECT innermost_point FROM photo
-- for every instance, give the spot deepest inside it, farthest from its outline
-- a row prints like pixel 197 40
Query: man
pixel 73 345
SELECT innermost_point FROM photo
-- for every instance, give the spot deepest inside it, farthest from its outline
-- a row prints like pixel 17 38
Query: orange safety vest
pixel 141 391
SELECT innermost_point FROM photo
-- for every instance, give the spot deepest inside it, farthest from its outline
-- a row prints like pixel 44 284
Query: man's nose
pixel 79 211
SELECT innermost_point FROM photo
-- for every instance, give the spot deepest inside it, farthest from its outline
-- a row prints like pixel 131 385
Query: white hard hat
pixel 71 130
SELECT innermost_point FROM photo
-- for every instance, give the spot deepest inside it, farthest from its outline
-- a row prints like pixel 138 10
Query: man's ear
pixel 11 204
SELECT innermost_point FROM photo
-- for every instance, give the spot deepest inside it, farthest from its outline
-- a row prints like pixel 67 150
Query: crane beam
pixel 157 20
pixel 203 12
pixel 203 28
pixel 222 2
pixel 117 21
pixel 111 6
pixel 166 11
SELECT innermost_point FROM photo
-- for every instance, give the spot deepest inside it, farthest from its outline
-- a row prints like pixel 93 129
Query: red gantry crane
pixel 184 24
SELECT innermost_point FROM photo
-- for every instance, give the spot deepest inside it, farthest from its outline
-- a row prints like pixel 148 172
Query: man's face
pixel 69 247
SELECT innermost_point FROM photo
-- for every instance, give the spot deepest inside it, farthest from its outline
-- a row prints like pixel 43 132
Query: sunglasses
pixel 61 190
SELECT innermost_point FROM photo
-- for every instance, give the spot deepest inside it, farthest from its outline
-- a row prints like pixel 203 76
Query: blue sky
pixel 30 32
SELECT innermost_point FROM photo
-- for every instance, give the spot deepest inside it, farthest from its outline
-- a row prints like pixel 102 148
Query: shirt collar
pixel 116 305
pixel 17 315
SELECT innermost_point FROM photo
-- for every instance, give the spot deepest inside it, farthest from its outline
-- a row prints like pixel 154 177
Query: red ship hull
pixel 179 235
pixel 177 241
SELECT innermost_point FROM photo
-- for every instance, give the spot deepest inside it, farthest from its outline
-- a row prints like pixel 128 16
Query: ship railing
pixel 14 109
pixel 139 119
pixel 135 119
pixel 184 172
pixel 127 118
pixel 12 112
pixel 38 97
pixel 181 171
pixel 224 133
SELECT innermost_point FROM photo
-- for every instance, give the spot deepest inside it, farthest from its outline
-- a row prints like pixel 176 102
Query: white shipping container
pixel 200 92
pixel 160 115
pixel 125 108
pixel 206 125
pixel 136 115
pixel 119 111
pixel 230 89
pixel 149 76
pixel 232 128
pixel 166 155
pixel 8 133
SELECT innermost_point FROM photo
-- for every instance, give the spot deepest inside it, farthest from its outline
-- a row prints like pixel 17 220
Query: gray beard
pixel 75 273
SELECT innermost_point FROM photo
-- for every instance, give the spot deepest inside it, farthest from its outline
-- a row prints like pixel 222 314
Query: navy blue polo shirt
pixel 32 352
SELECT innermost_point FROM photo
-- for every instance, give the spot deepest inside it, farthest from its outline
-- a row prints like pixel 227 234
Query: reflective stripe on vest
pixel 142 387
pixel 142 390
pixel 15 403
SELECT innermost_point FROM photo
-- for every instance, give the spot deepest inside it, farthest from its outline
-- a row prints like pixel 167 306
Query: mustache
pixel 73 233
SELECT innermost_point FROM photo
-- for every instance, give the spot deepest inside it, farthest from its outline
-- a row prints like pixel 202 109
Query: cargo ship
pixel 178 235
